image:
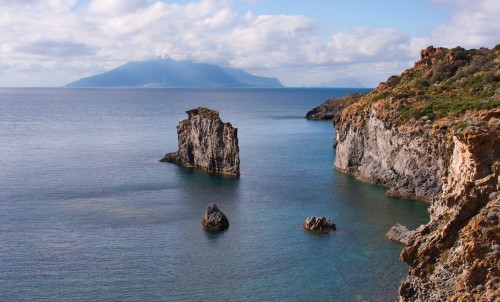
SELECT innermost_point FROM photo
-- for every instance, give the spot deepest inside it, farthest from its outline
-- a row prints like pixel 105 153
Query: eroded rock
pixel 207 143
pixel 317 224
pixel 214 220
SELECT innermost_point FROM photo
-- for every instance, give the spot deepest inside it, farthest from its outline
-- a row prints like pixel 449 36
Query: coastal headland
pixel 433 134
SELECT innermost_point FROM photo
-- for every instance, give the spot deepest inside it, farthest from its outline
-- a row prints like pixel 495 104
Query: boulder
pixel 399 233
pixel 206 143
pixel 321 225
pixel 214 219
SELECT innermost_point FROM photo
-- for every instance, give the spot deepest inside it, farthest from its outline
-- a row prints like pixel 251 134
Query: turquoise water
pixel 88 213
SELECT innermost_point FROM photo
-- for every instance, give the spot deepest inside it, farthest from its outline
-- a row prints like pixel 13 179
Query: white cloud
pixel 273 41
pixel 50 48
pixel 474 24
pixel 115 7
pixel 55 41
pixel 361 44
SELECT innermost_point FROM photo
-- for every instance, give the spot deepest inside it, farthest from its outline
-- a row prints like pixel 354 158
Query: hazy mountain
pixel 342 83
pixel 171 73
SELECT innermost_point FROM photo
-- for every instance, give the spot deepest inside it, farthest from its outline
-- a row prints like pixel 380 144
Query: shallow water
pixel 88 213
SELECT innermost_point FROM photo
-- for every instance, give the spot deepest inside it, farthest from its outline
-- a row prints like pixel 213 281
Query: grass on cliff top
pixel 449 83
pixel 441 106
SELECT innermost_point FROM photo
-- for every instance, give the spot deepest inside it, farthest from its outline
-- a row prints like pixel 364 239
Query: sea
pixel 87 213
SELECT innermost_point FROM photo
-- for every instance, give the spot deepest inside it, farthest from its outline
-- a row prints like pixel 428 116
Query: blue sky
pixel 411 16
pixel 53 42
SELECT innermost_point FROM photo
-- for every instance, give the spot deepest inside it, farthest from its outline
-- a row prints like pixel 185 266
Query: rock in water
pixel 399 233
pixel 321 225
pixel 206 143
pixel 214 219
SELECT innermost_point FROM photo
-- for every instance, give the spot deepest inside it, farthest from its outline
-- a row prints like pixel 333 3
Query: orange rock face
pixel 456 257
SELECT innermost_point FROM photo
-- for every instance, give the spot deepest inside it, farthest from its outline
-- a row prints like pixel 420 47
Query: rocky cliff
pixel 432 133
pixel 207 143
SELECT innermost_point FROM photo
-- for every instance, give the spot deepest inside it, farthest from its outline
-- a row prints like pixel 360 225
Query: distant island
pixel 176 74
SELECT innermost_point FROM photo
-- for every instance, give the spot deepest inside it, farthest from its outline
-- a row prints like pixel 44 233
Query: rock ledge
pixel 399 233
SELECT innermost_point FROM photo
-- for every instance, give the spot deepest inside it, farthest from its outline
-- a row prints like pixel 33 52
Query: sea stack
pixel 207 143
pixel 214 220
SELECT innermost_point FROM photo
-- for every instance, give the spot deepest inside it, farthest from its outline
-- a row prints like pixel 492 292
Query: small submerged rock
pixel 214 220
pixel 399 233
pixel 320 225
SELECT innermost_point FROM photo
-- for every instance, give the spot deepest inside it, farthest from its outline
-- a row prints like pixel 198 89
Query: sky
pixel 303 43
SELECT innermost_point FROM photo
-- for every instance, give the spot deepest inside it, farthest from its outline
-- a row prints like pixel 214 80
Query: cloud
pixel 18 2
pixel 55 41
pixel 273 41
pixel 474 24
pixel 56 49
pixel 361 44
pixel 115 7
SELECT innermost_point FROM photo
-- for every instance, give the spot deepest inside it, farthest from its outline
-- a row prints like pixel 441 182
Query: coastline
pixel 438 144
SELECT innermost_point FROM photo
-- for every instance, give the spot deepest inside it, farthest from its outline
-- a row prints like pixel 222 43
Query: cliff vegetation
pixel 443 85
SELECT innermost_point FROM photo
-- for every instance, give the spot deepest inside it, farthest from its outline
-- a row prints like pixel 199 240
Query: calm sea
pixel 87 213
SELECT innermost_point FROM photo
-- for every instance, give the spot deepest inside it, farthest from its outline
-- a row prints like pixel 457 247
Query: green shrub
pixel 380 96
pixel 441 106
pixel 393 81
pixel 441 71
pixel 421 82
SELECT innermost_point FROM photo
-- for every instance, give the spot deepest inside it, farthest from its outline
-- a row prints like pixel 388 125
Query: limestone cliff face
pixel 400 158
pixel 433 133
pixel 456 256
pixel 207 143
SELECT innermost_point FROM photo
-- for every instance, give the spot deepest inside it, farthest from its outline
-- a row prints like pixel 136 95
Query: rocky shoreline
pixel 433 134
